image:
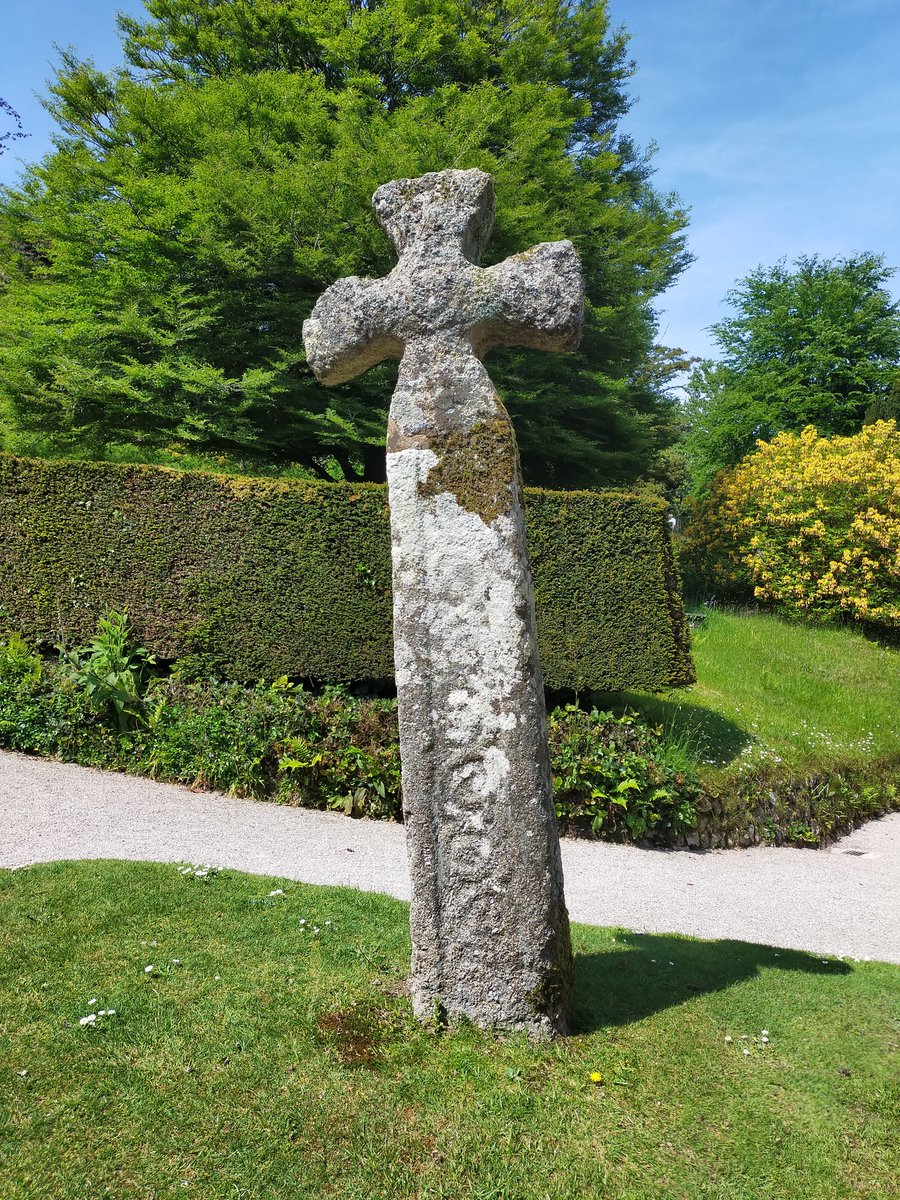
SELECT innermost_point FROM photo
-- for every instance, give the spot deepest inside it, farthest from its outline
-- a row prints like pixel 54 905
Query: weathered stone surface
pixel 489 926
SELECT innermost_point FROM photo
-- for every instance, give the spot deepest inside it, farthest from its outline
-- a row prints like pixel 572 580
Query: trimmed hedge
pixel 253 578
pixel 774 805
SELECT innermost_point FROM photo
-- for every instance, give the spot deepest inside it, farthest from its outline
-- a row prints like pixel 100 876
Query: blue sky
pixel 27 60
pixel 776 121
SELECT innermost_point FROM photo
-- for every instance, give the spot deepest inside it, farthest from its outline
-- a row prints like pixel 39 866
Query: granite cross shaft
pixel 490 931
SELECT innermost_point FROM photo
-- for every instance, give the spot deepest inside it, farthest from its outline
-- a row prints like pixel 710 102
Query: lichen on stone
pixel 478 467
pixel 488 921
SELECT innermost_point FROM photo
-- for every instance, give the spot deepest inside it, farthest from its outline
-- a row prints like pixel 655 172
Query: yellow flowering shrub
pixel 813 522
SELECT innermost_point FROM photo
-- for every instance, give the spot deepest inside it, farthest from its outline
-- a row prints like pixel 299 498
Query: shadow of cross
pixel 638 974
pixel 489 926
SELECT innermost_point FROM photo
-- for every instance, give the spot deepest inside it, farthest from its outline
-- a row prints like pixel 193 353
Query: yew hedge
pixel 246 579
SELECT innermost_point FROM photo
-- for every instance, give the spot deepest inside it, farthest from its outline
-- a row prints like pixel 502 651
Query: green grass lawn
pixel 261 1059
pixel 775 691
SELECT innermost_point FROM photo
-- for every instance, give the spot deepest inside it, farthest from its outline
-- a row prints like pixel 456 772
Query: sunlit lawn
pixel 771 690
pixel 272 1061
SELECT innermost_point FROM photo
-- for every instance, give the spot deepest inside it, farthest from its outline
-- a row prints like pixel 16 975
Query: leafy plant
pixel 200 199
pixel 347 756
pixel 18 660
pixel 110 672
pixel 813 344
pixel 216 735
pixel 609 773
pixel 624 777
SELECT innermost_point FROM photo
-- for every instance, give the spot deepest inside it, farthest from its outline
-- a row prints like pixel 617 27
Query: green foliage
pixel 19 661
pixel 768 803
pixel 156 268
pixel 790 737
pixel 709 556
pixel 329 750
pixel 886 406
pixel 252 578
pixel 110 673
pixel 348 756
pixel 217 735
pixel 610 775
pixel 42 712
pixel 817 345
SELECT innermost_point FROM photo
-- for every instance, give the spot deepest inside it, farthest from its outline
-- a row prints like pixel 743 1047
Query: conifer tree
pixel 156 268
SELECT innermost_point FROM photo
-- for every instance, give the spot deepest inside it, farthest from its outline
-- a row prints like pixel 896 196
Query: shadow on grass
pixel 658 971
pixel 705 734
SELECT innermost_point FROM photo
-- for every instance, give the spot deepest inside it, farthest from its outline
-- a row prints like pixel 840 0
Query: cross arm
pixel 538 300
pixel 349 330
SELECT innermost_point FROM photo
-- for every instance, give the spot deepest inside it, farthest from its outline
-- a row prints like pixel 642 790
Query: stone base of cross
pixel 490 932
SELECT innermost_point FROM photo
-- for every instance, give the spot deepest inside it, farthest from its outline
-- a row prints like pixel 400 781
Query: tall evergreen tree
pixel 156 268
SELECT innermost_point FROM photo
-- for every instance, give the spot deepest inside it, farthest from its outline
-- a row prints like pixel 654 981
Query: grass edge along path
pixel 261 1046
pixel 790 736
pixel 792 726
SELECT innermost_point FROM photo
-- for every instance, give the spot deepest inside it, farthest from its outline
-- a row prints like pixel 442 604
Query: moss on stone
pixel 478 468
pixel 553 996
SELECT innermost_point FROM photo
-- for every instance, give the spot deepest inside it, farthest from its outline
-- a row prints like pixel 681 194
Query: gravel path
pixel 843 901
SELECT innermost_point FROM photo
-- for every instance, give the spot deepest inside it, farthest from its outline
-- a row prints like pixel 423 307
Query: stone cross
pixel 490 931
